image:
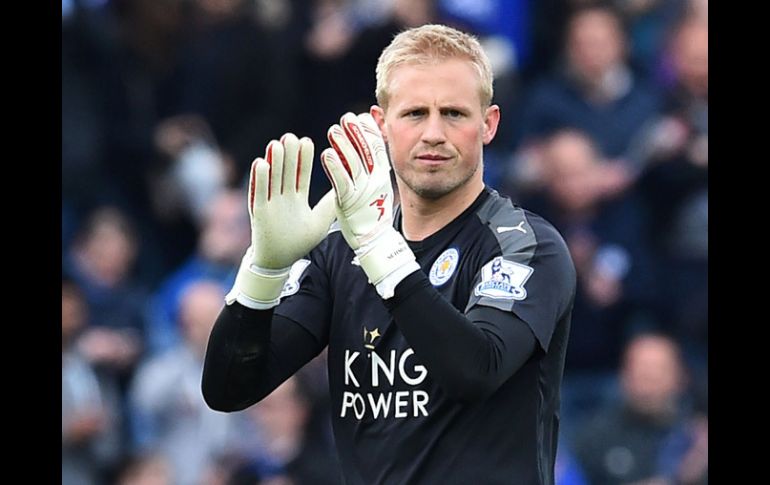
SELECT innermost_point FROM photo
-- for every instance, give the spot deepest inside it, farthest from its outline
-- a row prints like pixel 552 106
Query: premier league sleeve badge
pixel 503 280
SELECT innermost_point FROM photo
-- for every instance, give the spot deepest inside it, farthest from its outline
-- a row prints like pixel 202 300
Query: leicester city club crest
pixel 444 267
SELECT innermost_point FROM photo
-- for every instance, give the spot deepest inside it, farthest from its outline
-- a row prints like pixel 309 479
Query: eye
pixel 453 113
pixel 415 113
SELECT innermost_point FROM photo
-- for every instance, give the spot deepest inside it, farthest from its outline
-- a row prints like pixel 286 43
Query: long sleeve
pixel 250 353
pixel 471 354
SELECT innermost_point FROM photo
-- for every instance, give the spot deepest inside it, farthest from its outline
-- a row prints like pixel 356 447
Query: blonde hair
pixel 428 44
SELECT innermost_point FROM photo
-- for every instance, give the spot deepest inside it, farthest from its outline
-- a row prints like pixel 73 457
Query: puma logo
pixel 502 229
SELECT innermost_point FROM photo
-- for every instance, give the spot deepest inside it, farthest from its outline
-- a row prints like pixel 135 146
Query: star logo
pixel 372 335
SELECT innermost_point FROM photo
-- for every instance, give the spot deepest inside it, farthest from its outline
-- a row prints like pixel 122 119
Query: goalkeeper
pixel 445 313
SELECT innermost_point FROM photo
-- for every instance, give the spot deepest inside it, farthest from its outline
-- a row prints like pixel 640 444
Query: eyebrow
pixel 417 107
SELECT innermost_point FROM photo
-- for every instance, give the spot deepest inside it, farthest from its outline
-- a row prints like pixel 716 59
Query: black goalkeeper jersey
pixel 398 416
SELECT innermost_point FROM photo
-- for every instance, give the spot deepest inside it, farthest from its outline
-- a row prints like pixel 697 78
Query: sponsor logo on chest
pixel 388 386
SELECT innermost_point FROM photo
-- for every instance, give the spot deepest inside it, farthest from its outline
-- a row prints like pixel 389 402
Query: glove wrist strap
pixel 387 286
pixel 386 261
pixel 257 288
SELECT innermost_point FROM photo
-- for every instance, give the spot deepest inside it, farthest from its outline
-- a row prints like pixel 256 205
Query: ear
pixel 379 116
pixel 491 120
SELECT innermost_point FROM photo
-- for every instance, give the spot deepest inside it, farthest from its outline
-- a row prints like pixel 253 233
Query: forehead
pixel 570 155
pixel 594 23
pixel 452 81
pixel 651 351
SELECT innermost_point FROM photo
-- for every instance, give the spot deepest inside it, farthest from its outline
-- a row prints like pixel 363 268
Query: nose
pixel 433 134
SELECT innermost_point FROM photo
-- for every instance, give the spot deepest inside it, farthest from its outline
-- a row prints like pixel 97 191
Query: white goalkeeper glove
pixel 283 226
pixel 357 166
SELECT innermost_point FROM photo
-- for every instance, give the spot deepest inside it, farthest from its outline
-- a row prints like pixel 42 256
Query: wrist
pixel 387 260
pixel 257 288
pixel 387 286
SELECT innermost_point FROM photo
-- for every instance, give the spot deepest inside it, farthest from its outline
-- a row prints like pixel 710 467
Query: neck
pixel 421 218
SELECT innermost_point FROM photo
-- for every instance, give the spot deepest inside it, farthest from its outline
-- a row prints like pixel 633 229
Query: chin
pixel 436 190
pixel 432 193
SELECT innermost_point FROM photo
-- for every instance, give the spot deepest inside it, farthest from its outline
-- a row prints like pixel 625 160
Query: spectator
pixel 295 440
pixel 648 23
pixel 101 263
pixel 605 227
pixel 84 180
pixel 223 238
pixel 239 75
pixel 197 170
pixel 361 58
pixel 168 411
pixel 90 441
pixel 593 90
pixel 623 443
pixel 675 188
pixel 133 79
pixel 136 75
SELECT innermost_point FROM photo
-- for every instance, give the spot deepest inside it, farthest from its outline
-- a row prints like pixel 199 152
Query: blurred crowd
pixel 165 103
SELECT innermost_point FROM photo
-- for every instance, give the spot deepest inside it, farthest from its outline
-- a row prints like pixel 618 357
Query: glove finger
pixel 374 139
pixel 274 157
pixel 258 185
pixel 354 133
pixel 346 152
pixel 337 173
pixel 290 162
pixel 305 165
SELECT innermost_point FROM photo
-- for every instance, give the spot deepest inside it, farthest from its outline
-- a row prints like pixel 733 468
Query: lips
pixel 432 161
pixel 432 158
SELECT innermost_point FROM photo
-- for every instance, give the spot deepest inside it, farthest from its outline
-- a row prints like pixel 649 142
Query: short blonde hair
pixel 430 44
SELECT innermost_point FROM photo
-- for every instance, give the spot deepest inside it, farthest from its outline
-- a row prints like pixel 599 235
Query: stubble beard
pixel 435 191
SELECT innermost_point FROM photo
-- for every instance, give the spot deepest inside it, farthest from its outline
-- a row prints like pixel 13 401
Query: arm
pixel 471 354
pixel 250 353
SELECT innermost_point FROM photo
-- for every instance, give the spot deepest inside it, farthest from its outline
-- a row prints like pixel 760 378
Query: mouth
pixel 433 159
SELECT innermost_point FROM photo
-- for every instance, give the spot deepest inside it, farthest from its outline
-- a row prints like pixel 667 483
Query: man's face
pixel 435 127
pixel 572 169
pixel 595 44
pixel 691 58
pixel 652 376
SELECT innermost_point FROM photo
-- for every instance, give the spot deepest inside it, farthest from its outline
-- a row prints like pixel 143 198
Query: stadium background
pixel 166 102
